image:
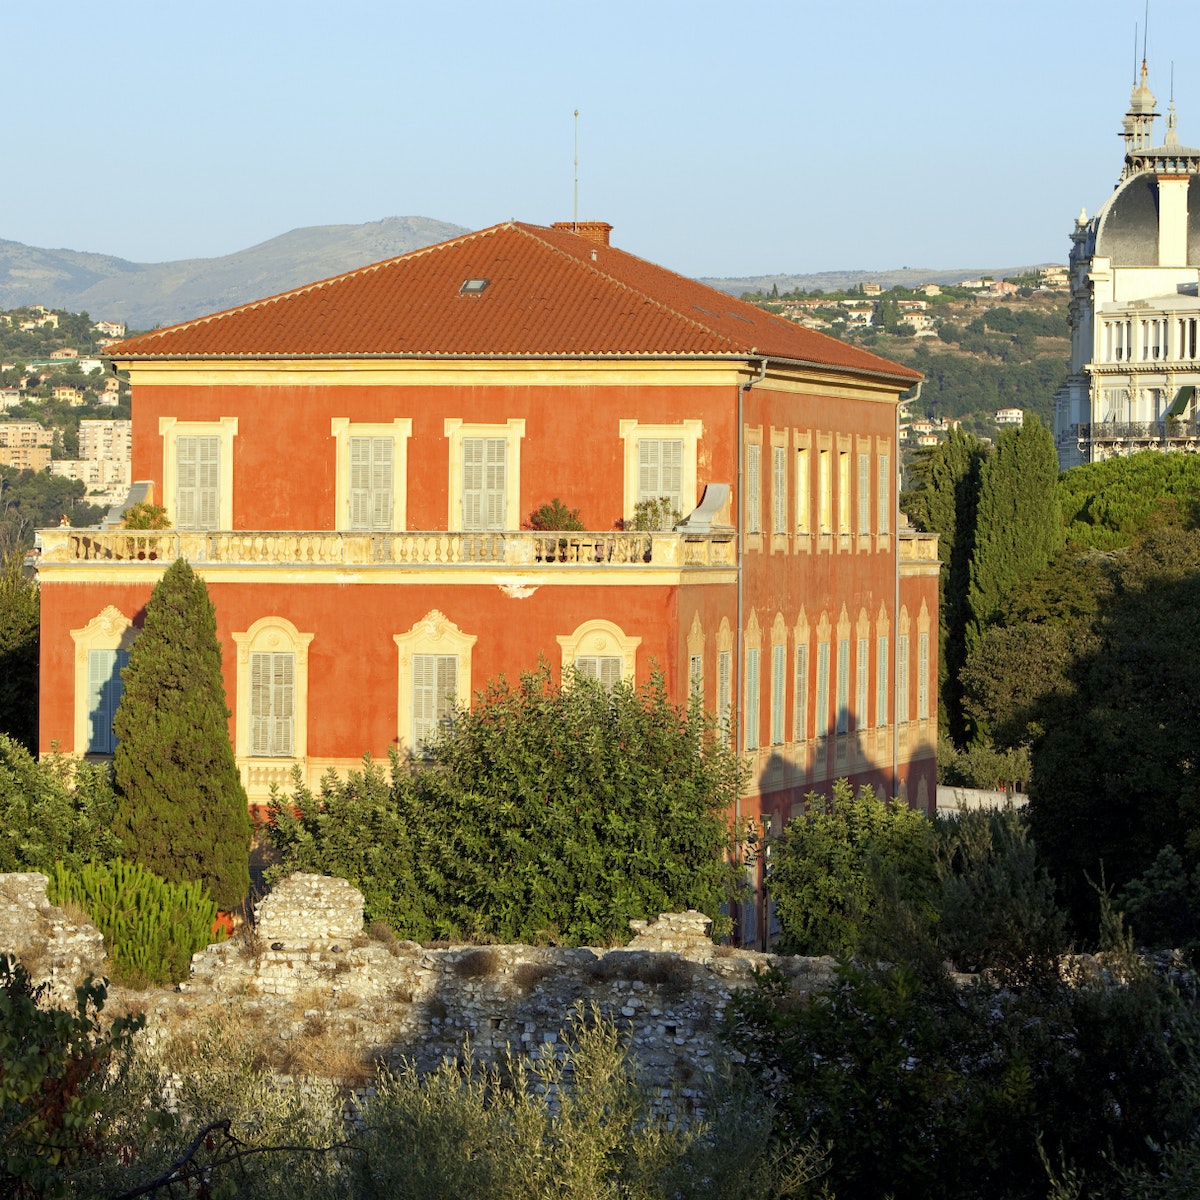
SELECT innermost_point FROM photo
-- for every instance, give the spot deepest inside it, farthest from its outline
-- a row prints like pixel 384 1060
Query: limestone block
pixel 309 908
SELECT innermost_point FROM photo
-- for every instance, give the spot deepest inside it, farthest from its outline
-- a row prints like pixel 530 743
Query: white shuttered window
pixel 843 685
pixel 822 689
pixel 800 719
pixel 778 692
pixel 105 689
pixel 753 488
pixel 435 693
pixel 860 683
pixel 881 681
pixel 885 494
pixel 864 493
pixel 371 483
pixel 752 687
pixel 484 483
pixel 197 482
pixel 922 676
pixel 605 668
pixel 725 691
pixel 779 504
pixel 660 471
pixel 902 678
pixel 272 705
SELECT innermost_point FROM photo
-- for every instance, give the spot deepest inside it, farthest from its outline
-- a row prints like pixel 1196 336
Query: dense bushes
pixel 151 928
pixel 54 811
pixel 546 814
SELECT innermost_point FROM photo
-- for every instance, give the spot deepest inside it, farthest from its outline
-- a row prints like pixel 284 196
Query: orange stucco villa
pixel 352 466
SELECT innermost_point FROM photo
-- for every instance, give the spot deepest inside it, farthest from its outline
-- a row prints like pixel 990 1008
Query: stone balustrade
pixel 523 548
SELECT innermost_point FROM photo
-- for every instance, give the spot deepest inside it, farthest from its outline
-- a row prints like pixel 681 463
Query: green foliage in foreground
pixel 1112 503
pixel 832 867
pixel 183 813
pixel 925 1086
pixel 546 815
pixel 151 928
pixel 19 630
pixel 54 811
pixel 60 1069
pixel 572 1122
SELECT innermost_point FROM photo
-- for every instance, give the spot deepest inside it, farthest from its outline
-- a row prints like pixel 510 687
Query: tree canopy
pixel 546 814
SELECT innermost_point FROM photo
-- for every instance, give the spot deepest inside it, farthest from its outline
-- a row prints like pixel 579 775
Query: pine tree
pixel 183 812
pixel 1018 524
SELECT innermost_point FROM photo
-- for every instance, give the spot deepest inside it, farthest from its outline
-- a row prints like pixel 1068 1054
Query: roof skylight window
pixel 473 287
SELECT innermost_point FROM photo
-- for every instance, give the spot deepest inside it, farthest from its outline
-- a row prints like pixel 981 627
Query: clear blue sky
pixel 718 138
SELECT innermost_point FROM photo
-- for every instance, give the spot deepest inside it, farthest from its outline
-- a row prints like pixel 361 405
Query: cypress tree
pixel 946 506
pixel 1018 524
pixel 18 652
pixel 183 812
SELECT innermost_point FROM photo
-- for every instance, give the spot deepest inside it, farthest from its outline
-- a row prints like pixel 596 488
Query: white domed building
pixel 1135 312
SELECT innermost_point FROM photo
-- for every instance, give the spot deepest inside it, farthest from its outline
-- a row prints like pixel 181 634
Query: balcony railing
pixel 519 549
pixel 1137 431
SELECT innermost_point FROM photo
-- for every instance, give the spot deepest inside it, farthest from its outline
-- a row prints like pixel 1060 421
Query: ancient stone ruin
pixel 322 993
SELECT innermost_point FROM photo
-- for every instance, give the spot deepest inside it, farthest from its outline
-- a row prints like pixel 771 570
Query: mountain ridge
pixel 146 295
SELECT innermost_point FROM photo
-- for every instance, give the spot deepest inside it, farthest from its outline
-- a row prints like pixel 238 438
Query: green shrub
pixel 847 864
pixel 652 516
pixel 556 516
pixel 56 1065
pixel 151 927
pixel 56 810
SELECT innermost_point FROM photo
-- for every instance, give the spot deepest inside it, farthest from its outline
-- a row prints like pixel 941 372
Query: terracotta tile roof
pixel 549 292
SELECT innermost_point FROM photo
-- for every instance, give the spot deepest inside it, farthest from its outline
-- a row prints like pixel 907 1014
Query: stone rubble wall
pixel 54 949
pixel 308 978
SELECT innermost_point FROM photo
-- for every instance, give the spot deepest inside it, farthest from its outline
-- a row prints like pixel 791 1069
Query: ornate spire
pixel 1138 126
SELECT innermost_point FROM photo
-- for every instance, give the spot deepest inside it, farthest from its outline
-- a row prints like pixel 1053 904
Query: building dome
pixel 1127 224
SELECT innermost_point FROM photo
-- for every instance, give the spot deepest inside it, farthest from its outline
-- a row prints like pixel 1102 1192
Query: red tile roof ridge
pixel 304 289
pixel 592 265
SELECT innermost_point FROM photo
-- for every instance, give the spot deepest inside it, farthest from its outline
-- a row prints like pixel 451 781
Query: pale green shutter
pixel 753 488
pixel 696 677
pixel 472 487
pixel 843 685
pixel 752 686
pixel 105 688
pixel 371 479
pixel 725 690
pixel 860 684
pixel 922 676
pixel 605 668
pixel 902 678
pixel 660 471
pixel 197 483
pixel 484 484
pixel 864 493
pixel 822 689
pixel 272 705
pixel 434 695
pixel 778 691
pixel 424 698
pixel 881 682
pixel 495 484
pixel 885 494
pixel 779 489
pixel 800 720
pixel 283 705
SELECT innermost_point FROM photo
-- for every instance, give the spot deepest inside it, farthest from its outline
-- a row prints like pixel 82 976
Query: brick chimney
pixel 594 231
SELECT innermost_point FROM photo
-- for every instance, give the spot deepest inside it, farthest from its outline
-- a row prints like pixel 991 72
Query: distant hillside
pixel 833 281
pixel 144 295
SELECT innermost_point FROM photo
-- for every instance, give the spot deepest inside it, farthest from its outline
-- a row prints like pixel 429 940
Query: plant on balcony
pixel 183 810
pixel 144 515
pixel 556 517
pixel 654 516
